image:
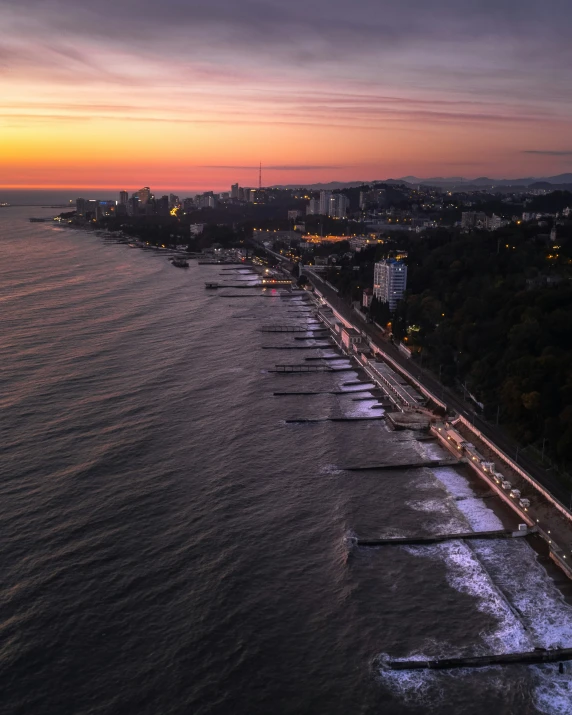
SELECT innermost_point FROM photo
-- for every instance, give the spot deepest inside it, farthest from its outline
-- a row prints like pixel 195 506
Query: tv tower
pixel 260 176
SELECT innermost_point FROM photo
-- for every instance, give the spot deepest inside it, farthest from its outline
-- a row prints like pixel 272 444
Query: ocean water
pixel 170 544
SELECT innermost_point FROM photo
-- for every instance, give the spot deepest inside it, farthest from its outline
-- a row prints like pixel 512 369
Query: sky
pixel 188 95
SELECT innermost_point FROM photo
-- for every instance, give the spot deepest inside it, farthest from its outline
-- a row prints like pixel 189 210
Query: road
pixel 454 402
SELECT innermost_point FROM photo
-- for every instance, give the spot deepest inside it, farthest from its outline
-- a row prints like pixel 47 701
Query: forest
pixel 491 313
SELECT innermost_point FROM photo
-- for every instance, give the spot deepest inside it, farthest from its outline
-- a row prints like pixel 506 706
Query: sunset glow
pixel 192 97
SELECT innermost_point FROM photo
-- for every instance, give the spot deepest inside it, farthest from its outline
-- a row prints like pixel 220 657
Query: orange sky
pixel 183 111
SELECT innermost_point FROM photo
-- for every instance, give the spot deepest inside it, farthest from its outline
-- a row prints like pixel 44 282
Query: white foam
pixel 455 484
pixel 414 687
pixel 429 688
pixel 432 450
pixel 362 408
pixel 358 388
pixel 451 521
pixel 434 506
pixel 466 575
pixel 478 515
pixel 553 691
pixel 515 567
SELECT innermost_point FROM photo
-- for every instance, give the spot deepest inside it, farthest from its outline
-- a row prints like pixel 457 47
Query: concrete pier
pixel 317 337
pixel 538 655
pixel 406 465
pixel 321 392
pixel 293 347
pixel 336 419
pixel 288 329
pixel 438 538
pixel 285 369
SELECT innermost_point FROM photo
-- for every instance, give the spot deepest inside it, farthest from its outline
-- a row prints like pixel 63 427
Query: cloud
pixel 548 152
pixel 320 32
pixel 277 167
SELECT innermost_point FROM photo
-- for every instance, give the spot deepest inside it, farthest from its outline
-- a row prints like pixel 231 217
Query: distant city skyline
pixel 193 96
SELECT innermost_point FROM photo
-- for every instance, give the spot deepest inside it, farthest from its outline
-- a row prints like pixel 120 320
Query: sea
pixel 171 543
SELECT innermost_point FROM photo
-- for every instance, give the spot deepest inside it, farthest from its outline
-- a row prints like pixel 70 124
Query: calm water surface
pixel 169 545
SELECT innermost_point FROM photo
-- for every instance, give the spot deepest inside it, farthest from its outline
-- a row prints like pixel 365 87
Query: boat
pixel 180 262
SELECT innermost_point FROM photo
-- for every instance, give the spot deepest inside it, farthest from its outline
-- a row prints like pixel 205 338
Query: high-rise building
pixel 174 200
pixel 206 200
pixel 325 202
pixel 338 206
pixel 313 207
pixel 389 281
pixel 123 197
pixel 234 191
pixel 162 206
pixel 87 208
pixel 133 206
pixel 144 195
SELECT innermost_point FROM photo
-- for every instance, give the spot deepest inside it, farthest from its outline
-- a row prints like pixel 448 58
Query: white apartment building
pixel 325 197
pixel 389 281
pixel 313 207
pixel 338 206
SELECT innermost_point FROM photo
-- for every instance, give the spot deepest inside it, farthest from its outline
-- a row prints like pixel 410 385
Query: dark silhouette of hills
pixel 562 181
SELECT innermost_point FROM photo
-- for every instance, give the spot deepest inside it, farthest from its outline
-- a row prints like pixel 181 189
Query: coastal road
pixel 454 402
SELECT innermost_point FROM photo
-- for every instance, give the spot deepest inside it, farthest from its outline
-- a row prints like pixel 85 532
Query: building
pixel 367 297
pixel 162 206
pixel 325 197
pixel 133 206
pixel 144 195
pixel 473 219
pixel 105 208
pixel 390 281
pixel 206 200
pixel 87 208
pixel 350 336
pixel 313 207
pixel 338 206
pixel 95 209
pixel 293 214
pixel 123 197
pixel 492 223
pixel 234 191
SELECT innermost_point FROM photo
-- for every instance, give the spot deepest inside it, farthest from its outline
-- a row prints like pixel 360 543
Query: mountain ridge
pixel 440 181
